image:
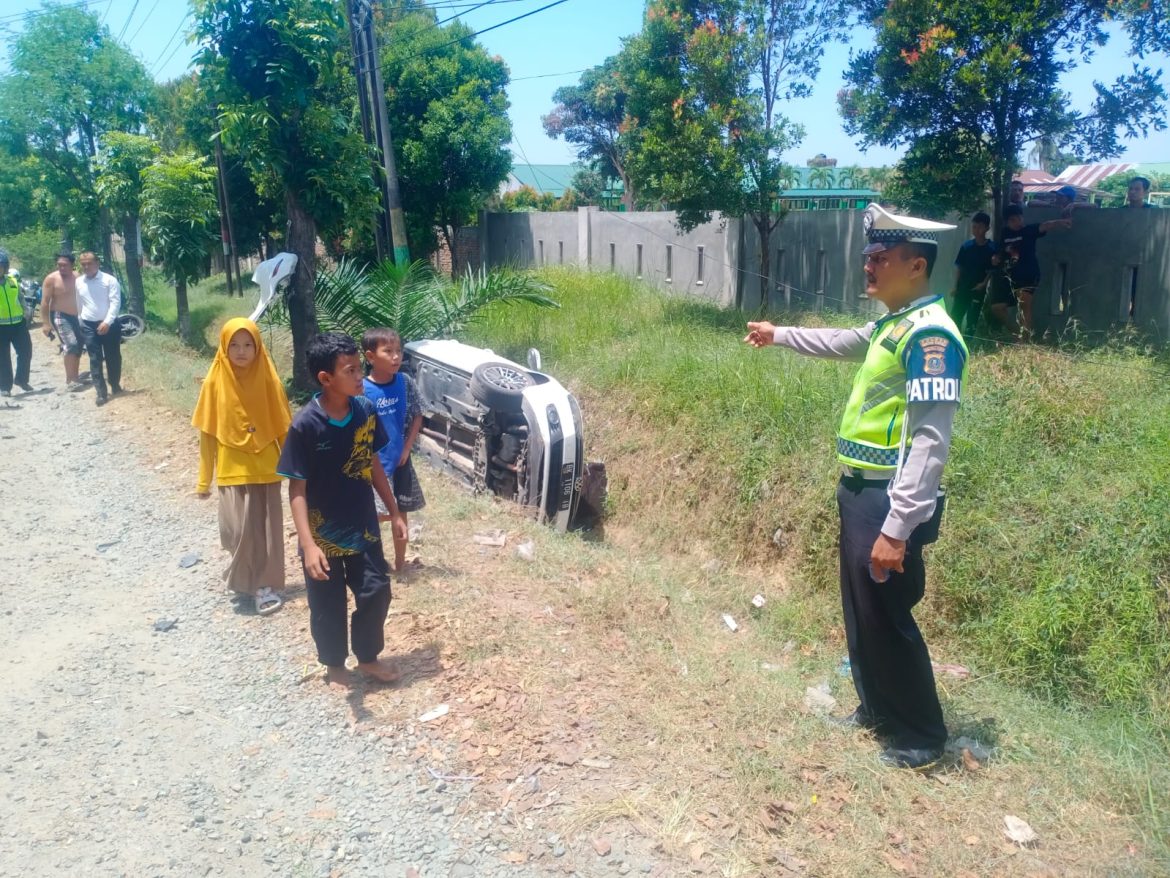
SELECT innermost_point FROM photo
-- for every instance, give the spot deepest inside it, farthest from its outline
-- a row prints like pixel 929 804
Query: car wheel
pixel 500 386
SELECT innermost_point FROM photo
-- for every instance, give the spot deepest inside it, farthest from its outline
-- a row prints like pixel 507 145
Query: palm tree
pixel 879 177
pixel 821 178
pixel 847 177
pixel 414 300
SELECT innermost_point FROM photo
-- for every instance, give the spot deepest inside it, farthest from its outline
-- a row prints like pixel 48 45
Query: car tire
pixel 500 386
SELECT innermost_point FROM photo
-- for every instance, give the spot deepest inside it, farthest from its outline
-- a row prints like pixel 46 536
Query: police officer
pixel 13 333
pixel 892 444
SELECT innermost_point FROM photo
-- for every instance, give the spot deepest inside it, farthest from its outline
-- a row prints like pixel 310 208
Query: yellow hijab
pixel 244 408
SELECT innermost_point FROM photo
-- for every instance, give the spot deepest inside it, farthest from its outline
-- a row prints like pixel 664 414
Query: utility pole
pixel 376 126
pixel 381 229
pixel 221 200
pixel 230 249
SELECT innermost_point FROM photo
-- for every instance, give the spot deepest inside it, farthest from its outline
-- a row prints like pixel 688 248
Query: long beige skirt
pixel 251 527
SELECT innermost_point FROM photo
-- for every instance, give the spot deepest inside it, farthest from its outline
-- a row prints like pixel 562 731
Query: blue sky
pixel 575 35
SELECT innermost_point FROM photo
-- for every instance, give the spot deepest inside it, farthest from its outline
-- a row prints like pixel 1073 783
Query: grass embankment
pixel 712 448
pixel 1055 557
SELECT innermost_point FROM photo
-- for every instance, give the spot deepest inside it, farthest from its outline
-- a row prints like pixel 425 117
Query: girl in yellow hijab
pixel 243 417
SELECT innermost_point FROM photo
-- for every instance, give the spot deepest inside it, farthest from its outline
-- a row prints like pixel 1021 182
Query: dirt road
pixel 129 750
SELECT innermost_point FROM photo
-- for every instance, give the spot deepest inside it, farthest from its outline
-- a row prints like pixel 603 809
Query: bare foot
pixel 339 678
pixel 379 670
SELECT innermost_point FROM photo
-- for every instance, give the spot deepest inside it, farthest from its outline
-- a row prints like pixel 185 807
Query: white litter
pixel 1018 831
pixel 758 602
pixel 819 699
pixel 438 713
pixel 729 622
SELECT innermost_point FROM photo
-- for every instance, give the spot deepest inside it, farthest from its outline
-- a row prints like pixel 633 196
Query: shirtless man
pixel 59 311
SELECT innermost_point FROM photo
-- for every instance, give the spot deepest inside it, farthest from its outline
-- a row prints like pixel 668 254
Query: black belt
pixel 868 476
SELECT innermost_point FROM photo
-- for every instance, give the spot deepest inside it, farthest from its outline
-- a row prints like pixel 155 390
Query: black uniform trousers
pixel 14 336
pixel 103 348
pixel 368 576
pixel 890 662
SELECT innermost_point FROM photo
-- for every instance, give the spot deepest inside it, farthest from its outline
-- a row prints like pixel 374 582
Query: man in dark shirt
pixel 1138 193
pixel 1021 275
pixel 972 265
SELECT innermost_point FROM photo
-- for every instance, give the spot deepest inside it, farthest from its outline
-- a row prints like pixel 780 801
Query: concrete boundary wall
pixel 1090 274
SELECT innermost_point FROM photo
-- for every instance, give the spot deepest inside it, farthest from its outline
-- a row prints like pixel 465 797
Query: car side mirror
pixel 534 359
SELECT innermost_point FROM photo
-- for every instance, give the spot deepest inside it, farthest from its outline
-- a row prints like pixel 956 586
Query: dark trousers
pixel 965 309
pixel 368 577
pixel 14 335
pixel 890 662
pixel 103 348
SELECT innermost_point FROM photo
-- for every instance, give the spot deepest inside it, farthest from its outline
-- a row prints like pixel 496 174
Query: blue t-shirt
pixel 396 404
pixel 335 459
pixel 934 367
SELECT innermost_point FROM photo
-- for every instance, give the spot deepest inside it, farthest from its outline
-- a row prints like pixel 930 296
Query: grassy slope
pixel 1055 551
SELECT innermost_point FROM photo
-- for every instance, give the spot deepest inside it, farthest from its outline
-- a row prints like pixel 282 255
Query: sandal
pixel 267 602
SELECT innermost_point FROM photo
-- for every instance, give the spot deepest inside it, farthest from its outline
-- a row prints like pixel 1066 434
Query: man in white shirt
pixel 100 297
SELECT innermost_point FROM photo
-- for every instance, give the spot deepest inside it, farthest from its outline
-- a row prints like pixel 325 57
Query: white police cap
pixel 884 230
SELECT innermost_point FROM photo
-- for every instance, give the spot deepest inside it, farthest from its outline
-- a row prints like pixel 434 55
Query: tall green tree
pixel 986 76
pixel 707 80
pixel 121 162
pixel 939 176
pixel 280 73
pixel 448 108
pixel 70 84
pixel 179 217
pixel 182 120
pixel 18 189
pixel 591 115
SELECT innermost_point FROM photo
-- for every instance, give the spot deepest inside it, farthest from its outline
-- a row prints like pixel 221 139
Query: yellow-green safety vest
pixel 871 427
pixel 11 308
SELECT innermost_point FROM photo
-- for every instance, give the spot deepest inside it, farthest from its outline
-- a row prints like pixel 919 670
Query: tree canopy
pixel 70 83
pixel 970 86
pixel 706 81
pixel 179 217
pixel 448 107
pixel 591 115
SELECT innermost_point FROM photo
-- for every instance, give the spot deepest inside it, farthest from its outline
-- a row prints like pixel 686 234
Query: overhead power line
pixel 474 34
pixel 129 18
pixel 547 75
pixel 15 17
pixel 134 36
pixel 157 66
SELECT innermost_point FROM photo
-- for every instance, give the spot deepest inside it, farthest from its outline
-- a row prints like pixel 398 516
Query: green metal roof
pixel 828 193
pixel 553 179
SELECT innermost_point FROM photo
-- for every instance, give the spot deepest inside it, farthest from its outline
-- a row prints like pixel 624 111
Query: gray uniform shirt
pixel 928 426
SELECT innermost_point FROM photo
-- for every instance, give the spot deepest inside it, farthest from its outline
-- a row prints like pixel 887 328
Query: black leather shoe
pixel 101 400
pixel 855 720
pixel 918 759
pixel 116 390
pixel 27 388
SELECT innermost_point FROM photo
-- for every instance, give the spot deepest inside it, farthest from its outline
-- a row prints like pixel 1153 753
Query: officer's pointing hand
pixel 887 554
pixel 760 335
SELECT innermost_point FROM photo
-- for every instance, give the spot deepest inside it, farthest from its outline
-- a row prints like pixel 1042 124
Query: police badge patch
pixel 934 350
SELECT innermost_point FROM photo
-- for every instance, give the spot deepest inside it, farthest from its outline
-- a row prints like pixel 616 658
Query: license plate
pixel 566 487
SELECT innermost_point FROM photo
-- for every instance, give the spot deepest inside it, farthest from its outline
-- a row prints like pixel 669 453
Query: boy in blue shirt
pixel 395 399
pixel 330 461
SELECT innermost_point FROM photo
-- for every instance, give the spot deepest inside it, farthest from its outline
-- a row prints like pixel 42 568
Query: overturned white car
pixel 500 427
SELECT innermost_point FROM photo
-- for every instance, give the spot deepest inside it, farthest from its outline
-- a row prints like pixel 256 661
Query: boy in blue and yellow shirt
pixel 330 459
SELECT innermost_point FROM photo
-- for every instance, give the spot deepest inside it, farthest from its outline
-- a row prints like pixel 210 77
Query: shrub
pixel 33 251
